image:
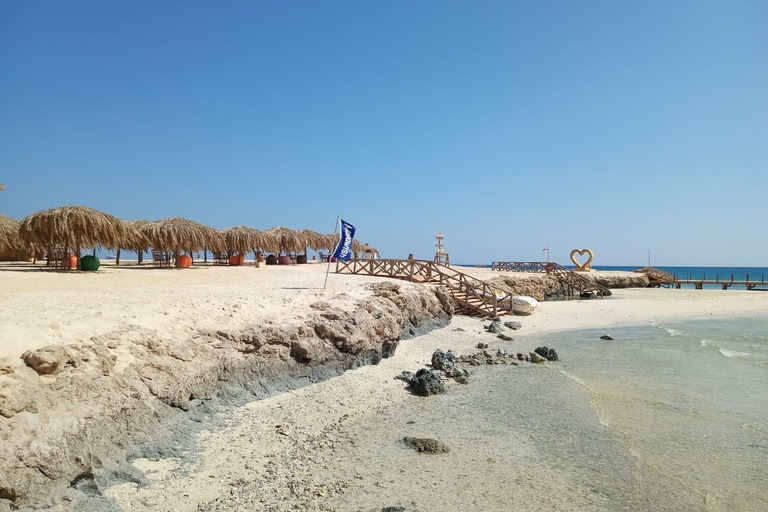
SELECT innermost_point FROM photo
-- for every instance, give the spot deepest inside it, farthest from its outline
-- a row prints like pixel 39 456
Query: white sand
pixel 40 307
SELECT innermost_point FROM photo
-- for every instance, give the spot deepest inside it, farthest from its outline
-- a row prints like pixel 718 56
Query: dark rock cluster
pixel 485 357
pixel 425 382
pixel 447 363
pixel 547 353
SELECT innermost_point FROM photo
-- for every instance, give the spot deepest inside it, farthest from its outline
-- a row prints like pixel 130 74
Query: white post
pixel 330 256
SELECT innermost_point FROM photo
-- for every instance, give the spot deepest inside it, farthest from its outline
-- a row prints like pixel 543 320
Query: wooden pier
pixel 572 280
pixel 698 283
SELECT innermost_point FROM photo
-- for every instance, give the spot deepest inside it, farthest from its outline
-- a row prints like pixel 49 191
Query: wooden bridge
pixel 473 296
pixel 663 278
pixel 698 283
pixel 572 280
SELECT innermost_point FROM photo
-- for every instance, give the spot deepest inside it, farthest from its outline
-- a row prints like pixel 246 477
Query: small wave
pixel 736 355
pixel 709 343
pixel 671 331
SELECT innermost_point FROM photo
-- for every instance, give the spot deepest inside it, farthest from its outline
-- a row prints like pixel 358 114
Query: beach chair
pixel 321 256
pixel 56 257
pixel 221 258
pixel 158 258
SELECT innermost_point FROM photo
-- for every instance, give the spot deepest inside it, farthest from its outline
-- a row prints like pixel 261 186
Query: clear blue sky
pixel 508 126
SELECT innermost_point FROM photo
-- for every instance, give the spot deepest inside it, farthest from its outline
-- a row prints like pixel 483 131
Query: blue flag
pixel 343 250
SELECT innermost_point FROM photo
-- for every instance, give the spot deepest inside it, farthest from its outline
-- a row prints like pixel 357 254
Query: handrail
pixel 569 277
pixel 430 271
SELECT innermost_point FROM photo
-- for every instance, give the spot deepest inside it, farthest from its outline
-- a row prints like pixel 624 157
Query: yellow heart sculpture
pixel 580 252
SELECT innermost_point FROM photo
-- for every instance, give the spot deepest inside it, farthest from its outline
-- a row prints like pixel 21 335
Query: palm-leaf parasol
pixel 179 234
pixel 73 227
pixel 9 234
pixel 284 240
pixel 241 239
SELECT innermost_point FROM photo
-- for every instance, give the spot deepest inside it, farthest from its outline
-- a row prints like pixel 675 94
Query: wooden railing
pixel 470 293
pixel 726 283
pixel 571 279
pixel 521 266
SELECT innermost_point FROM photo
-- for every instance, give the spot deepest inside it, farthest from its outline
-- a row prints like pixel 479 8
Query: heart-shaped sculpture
pixel 581 252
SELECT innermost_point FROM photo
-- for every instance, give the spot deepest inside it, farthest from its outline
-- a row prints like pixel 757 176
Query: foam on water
pixel 671 331
pixel 737 355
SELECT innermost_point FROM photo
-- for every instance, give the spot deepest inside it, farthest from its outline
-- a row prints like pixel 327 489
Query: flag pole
pixel 330 256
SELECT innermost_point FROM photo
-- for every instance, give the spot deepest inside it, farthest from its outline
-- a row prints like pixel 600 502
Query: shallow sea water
pixel 665 417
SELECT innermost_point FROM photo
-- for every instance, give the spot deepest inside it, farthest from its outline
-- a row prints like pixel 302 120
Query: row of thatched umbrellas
pixel 79 227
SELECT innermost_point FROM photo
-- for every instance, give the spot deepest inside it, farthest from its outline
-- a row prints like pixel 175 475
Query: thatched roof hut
pixel 316 241
pixel 73 227
pixel 285 240
pixel 242 239
pixel 136 240
pixel 9 235
pixel 368 248
pixel 178 234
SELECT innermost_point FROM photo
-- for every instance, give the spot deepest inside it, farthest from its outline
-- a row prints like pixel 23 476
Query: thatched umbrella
pixel 357 247
pixel 284 240
pixel 73 227
pixel 176 234
pixel 368 248
pixel 242 239
pixel 135 240
pixel 9 234
pixel 314 240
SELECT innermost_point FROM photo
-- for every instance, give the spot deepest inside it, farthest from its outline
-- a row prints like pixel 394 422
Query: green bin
pixel 89 263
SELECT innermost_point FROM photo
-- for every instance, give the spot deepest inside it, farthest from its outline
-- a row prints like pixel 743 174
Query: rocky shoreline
pixel 547 287
pixel 76 414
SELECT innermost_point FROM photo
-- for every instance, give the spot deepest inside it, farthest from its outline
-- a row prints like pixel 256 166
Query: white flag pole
pixel 330 256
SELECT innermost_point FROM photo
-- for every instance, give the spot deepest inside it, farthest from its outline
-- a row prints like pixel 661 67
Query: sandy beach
pixel 283 451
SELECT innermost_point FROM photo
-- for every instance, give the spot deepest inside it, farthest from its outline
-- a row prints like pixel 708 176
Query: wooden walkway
pixel 473 296
pixel 660 278
pixel 573 280
pixel 750 284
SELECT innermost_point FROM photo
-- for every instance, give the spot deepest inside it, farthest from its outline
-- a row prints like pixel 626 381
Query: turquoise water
pixel 670 417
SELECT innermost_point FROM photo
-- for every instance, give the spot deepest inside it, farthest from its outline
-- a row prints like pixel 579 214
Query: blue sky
pixel 508 126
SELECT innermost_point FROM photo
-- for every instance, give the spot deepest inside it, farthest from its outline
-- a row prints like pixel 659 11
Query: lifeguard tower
pixel 441 257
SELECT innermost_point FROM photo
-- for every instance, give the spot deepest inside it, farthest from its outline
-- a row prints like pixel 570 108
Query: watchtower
pixel 441 257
